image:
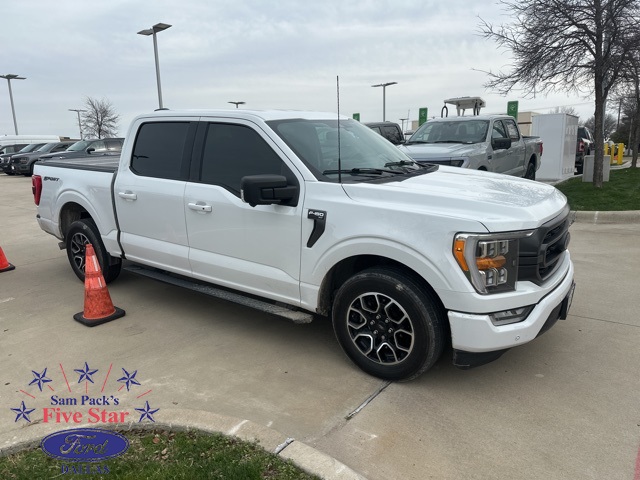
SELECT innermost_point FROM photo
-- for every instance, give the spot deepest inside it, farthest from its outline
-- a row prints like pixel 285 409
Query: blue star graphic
pixel 85 374
pixel 39 378
pixel 23 412
pixel 129 379
pixel 147 412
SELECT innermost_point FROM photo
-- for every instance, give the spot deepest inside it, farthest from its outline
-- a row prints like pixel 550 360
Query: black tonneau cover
pixel 102 163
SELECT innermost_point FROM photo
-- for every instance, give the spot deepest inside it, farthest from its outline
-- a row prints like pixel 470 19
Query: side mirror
pixel 90 150
pixel 501 143
pixel 268 190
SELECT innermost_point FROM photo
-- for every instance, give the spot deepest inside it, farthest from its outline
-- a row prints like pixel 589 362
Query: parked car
pixel 12 148
pixel 406 259
pixel 23 162
pixel 102 146
pixel 483 142
pixel 5 158
pixel 389 130
pixel 28 139
pixel 584 147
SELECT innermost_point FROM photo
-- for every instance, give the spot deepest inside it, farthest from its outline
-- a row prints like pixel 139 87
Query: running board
pixel 296 316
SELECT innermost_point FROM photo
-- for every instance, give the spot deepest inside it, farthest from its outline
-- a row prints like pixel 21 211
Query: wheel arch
pixel 352 265
pixel 534 159
pixel 69 213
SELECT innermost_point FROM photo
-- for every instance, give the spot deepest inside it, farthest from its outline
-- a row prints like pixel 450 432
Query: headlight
pixel 458 162
pixel 490 261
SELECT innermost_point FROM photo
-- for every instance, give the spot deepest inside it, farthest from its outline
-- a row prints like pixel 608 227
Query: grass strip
pixel 161 454
pixel 621 192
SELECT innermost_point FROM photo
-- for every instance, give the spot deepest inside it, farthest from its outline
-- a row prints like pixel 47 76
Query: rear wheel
pixel 80 233
pixel 388 325
pixel 531 171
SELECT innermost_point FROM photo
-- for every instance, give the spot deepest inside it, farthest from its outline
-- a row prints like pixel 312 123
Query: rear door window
pixel 512 129
pixel 160 149
pixel 392 134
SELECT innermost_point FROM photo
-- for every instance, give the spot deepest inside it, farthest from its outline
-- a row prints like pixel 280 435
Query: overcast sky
pixel 282 54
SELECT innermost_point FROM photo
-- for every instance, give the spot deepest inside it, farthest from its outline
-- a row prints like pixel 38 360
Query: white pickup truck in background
pixel 302 214
pixel 482 142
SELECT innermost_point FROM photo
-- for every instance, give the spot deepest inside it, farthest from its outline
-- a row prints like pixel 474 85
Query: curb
pixel 601 218
pixel 302 455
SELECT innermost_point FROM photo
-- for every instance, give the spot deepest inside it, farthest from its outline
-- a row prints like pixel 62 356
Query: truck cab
pixel 490 143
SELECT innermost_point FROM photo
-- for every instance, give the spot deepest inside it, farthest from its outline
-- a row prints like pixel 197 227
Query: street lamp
pixel 402 120
pixel 9 77
pixel 78 110
pixel 237 103
pixel 158 27
pixel 384 90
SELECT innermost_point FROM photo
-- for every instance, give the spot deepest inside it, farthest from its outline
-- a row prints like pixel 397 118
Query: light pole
pixel 402 120
pixel 384 92
pixel 237 103
pixel 9 77
pixel 158 27
pixel 78 110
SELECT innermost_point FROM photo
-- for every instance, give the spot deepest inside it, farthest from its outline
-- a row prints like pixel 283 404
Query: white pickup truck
pixel 482 142
pixel 303 214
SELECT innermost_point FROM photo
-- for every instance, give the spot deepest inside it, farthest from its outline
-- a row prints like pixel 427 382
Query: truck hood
pixel 499 202
pixel 424 151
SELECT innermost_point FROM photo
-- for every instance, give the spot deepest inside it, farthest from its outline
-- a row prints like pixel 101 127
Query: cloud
pixel 284 54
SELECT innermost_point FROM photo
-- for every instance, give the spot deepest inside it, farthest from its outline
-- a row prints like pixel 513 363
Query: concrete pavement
pixel 564 406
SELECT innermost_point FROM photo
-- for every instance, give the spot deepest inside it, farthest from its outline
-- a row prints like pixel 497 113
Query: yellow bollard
pixel 620 153
pixel 609 151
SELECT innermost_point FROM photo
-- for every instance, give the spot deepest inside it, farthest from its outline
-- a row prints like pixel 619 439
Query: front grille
pixel 540 254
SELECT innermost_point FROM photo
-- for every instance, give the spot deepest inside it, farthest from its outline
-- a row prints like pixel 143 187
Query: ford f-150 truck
pixel 481 142
pixel 303 214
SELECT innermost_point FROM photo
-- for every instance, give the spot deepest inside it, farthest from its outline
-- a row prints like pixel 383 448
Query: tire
pixel 80 233
pixel 388 325
pixel 530 174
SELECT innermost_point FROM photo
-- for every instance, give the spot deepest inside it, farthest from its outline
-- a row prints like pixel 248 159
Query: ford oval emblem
pixel 84 445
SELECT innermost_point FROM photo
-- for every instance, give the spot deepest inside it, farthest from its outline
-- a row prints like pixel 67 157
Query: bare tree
pixel 608 125
pixel 568 110
pixel 629 99
pixel 567 45
pixel 100 119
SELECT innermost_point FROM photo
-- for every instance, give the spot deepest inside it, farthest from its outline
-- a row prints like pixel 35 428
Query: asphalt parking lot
pixel 564 406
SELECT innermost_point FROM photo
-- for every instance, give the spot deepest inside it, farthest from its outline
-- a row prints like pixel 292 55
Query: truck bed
pixel 102 163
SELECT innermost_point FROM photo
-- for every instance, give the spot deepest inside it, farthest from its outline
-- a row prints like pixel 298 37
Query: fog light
pixel 514 315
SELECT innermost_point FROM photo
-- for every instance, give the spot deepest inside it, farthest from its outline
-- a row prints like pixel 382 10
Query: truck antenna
pixel 339 160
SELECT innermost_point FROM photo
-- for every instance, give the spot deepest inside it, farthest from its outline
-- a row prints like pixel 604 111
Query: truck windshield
pixel 76 147
pixel 47 147
pixel 363 153
pixel 455 131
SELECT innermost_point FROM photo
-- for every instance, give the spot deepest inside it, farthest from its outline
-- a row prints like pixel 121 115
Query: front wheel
pixel 388 325
pixel 80 233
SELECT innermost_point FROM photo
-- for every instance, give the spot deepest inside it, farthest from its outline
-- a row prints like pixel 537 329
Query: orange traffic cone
pixel 5 266
pixel 98 307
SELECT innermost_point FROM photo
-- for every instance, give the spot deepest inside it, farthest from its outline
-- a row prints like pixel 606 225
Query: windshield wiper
pixel 448 141
pixel 401 163
pixel 358 171
pixel 415 141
